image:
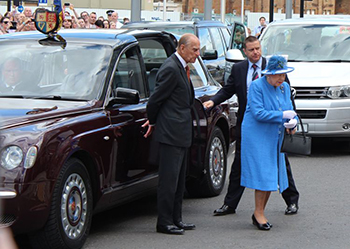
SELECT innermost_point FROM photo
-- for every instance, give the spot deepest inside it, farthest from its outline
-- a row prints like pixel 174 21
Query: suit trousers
pixel 235 190
pixel 171 185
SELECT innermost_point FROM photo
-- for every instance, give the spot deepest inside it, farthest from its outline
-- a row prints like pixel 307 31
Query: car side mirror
pixel 125 96
pixel 234 55
pixel 210 55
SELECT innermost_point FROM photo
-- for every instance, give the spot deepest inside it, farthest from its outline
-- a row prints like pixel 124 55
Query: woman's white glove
pixel 289 114
pixel 291 124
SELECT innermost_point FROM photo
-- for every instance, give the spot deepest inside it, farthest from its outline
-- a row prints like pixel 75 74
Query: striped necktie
pixel 188 73
pixel 255 73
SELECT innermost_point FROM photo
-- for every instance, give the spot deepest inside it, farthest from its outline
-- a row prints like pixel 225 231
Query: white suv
pixel 319 50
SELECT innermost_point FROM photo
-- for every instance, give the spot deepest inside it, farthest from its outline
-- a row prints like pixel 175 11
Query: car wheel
pixel 213 181
pixel 70 217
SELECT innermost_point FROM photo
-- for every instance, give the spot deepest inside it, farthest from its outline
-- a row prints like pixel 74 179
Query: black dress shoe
pixel 170 229
pixel 224 210
pixel 264 227
pixel 291 209
pixel 185 226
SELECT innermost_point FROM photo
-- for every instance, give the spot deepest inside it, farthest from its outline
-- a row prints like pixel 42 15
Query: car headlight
pixel 30 157
pixel 335 92
pixel 346 91
pixel 11 157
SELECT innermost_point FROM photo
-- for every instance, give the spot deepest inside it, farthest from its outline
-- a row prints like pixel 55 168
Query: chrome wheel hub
pixel 73 206
pixel 216 162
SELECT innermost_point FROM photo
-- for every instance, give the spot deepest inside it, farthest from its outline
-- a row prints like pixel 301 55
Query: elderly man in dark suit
pixel 242 74
pixel 13 78
pixel 169 113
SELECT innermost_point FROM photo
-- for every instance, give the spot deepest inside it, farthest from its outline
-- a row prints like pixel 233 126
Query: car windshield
pixel 308 42
pixel 31 70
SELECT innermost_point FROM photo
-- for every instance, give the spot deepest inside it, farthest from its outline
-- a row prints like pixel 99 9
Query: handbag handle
pixel 302 128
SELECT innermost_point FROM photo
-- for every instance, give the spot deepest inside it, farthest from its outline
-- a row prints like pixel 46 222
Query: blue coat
pixel 263 166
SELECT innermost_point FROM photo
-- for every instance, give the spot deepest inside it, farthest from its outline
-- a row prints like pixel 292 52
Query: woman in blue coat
pixel 269 111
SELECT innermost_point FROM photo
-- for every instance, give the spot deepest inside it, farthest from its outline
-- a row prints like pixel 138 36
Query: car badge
pixel 46 21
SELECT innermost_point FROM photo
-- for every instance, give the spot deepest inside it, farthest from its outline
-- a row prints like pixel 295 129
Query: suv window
pixel 205 40
pixel 198 76
pixel 128 73
pixel 226 34
pixel 219 45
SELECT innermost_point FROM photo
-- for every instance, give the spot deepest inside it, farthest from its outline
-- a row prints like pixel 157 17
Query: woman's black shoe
pixel 264 227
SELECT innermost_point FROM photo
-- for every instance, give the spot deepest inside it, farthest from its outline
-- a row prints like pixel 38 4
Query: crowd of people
pixel 14 21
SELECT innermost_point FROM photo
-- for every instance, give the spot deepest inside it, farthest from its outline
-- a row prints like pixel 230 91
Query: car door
pixel 131 149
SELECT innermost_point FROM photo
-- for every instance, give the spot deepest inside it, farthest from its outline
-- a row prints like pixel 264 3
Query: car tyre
pixel 70 216
pixel 213 180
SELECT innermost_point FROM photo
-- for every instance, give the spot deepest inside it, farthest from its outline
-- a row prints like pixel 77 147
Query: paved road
pixel 322 222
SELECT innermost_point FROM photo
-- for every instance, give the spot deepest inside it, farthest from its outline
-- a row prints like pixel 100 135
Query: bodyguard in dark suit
pixel 169 113
pixel 238 83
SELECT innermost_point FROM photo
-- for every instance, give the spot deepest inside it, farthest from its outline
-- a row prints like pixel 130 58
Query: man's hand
pixel 208 104
pixel 149 130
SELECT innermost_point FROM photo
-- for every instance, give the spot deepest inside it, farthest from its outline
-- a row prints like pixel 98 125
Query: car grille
pixel 311 92
pixel 6 220
pixel 312 114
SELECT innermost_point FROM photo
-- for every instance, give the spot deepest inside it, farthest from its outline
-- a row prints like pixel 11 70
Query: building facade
pixel 316 7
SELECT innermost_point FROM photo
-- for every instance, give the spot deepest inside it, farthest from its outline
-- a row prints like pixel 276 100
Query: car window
pixel 219 44
pixel 313 42
pixel 178 30
pixel 205 40
pixel 238 38
pixel 128 73
pixel 76 72
pixel 226 34
pixel 197 74
pixel 154 55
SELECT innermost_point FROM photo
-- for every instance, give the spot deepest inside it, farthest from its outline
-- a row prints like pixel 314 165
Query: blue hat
pixel 277 64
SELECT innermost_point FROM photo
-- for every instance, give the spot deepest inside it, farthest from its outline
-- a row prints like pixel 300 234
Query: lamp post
pixel 164 10
pixel 242 11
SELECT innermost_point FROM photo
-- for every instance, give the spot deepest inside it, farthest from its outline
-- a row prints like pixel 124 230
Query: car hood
pixel 19 111
pixel 319 74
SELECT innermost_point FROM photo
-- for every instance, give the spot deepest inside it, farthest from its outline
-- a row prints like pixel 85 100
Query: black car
pixel 214 37
pixel 71 140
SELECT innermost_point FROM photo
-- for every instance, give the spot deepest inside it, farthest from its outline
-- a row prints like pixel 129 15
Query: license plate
pixel 306 127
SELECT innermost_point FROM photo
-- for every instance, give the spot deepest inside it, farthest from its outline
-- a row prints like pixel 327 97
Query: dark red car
pixel 71 137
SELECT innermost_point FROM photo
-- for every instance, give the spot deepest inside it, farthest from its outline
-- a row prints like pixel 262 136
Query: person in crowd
pixel 5 25
pixel 109 14
pixel 101 18
pixel 126 20
pixel 112 25
pixel 258 29
pixel 99 24
pixel 249 31
pixel 238 83
pixel 67 22
pixel 106 24
pixel 269 111
pixel 81 23
pixel 114 18
pixel 92 20
pixel 28 12
pixel 169 113
pixel 85 15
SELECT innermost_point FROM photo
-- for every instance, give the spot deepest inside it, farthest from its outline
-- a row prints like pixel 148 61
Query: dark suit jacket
pixel 237 84
pixel 169 107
